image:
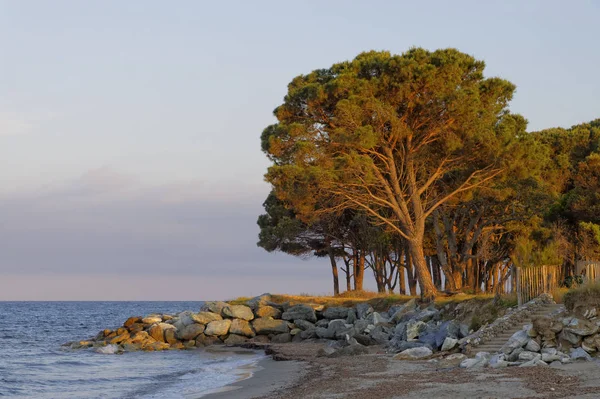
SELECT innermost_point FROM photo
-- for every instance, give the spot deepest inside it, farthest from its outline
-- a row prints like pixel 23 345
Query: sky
pixel 130 162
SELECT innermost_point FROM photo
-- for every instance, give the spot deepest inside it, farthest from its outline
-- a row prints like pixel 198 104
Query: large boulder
pixel 414 328
pixel 217 327
pixel 409 306
pixel 304 324
pixel 268 311
pixel 337 329
pixel 266 326
pixel 581 327
pixel 132 320
pixel 517 340
pixel 363 310
pixel 414 353
pixel 151 319
pixel 183 320
pixel 300 312
pixel 234 339
pixel 258 301
pixel 205 317
pixel 241 327
pixel 157 331
pixel 190 332
pixel 213 306
pixel 449 343
pixel 334 313
pixel 238 312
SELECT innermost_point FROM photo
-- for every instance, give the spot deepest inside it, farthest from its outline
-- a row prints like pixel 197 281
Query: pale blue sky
pixel 129 130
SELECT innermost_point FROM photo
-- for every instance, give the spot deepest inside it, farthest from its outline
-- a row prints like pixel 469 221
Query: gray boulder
pixel 404 345
pixel 190 331
pixel 527 355
pixel 337 329
pixel 300 312
pixel 335 313
pixel 304 324
pixel 580 354
pixel 377 318
pixel 361 325
pixel 363 310
pixel 234 340
pixel 532 346
pixel 351 319
pixel 517 340
pixel 581 327
pixel 213 306
pixel 258 301
pixel 414 328
pixel 323 323
pixel 449 343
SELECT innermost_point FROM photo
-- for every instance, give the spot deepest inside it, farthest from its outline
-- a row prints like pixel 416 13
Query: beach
pixel 379 376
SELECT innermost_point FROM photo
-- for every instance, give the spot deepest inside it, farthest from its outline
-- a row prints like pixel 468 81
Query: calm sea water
pixel 34 365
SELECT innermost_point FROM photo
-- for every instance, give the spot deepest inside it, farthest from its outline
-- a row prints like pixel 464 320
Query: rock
pixel 351 350
pixel 241 327
pixel 427 314
pixel 380 337
pixel 336 329
pixel 307 334
pixel 325 351
pixel 204 340
pixel 217 327
pixel 532 346
pixel 304 325
pixel 527 355
pixel 363 310
pixel 268 311
pixel 205 317
pixel 517 340
pixel 108 349
pixel 452 360
pixel 157 331
pixel 259 301
pixel 569 337
pixel 152 319
pixel 414 353
pixel 238 312
pixel 580 354
pixel 190 332
pixel 414 328
pixel 592 342
pixel 120 338
pixel 360 325
pixel 301 312
pixel 498 361
pixel 449 344
pixel 213 307
pixel 364 339
pixel 548 358
pixel 581 327
pixel 334 313
pixel 234 339
pixel 464 330
pixel 132 320
pixel 264 326
pixel 136 327
pixel 534 362
pixel 281 338
pixel 514 355
pixel 351 319
pixel 171 336
pixel 476 362
pixel 379 319
pixel 404 345
pixel 295 331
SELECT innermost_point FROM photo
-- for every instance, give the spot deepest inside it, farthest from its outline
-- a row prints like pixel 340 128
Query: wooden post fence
pixel 533 281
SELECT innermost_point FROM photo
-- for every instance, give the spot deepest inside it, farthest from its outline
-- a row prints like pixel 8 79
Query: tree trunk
pixel 428 291
pixel 435 268
pixel 334 272
pixel 410 271
pixel 402 281
pixel 359 274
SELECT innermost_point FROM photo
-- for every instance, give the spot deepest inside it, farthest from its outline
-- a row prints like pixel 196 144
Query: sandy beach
pixel 379 376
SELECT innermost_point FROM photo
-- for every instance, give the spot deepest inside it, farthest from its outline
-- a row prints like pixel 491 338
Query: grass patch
pixel 585 295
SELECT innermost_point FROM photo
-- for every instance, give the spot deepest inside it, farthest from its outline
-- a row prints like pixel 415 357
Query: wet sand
pixel 378 376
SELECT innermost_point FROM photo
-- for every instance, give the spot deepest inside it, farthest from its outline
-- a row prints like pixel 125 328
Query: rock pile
pixel 401 328
pixel 558 339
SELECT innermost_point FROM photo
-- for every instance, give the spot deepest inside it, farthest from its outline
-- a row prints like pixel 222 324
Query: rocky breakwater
pixel 554 339
pixel 408 329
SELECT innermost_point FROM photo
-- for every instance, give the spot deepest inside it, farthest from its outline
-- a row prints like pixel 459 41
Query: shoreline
pixel 264 377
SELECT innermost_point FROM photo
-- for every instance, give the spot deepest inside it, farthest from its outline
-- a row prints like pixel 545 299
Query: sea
pixel 34 364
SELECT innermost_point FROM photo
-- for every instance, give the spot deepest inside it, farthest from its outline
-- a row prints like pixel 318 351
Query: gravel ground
pixel 378 376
